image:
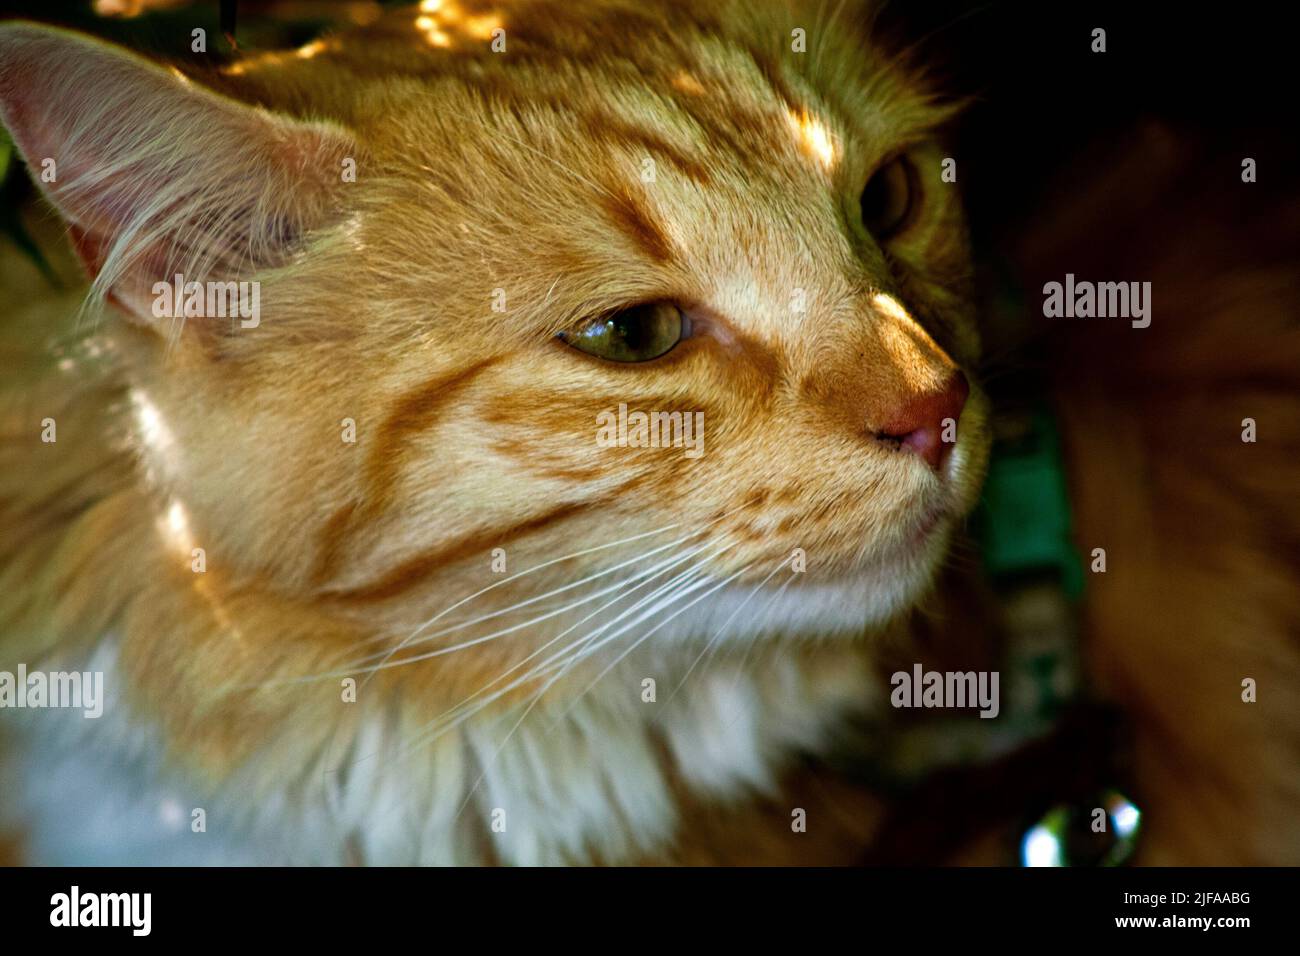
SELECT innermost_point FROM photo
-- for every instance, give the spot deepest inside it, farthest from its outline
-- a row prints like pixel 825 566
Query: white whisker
pixel 453 717
pixel 533 570
pixel 575 651
pixel 386 655
pixel 411 638
pixel 515 627
pixel 535 699
pixel 744 658
pixel 648 633
pixel 723 628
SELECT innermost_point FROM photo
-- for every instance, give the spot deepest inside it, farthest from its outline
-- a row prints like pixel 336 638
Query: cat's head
pixel 481 254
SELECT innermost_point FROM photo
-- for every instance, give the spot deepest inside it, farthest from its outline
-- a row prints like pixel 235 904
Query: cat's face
pixel 610 157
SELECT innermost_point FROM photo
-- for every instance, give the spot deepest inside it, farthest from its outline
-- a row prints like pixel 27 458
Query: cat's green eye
pixel 635 334
pixel 890 199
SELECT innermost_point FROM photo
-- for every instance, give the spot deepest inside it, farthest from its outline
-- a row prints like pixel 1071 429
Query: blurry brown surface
pixel 1201 530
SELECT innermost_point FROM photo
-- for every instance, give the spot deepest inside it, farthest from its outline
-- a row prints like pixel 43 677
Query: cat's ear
pixel 156 175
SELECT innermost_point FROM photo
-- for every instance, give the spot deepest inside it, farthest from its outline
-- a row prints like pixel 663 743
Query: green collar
pixel 1023 521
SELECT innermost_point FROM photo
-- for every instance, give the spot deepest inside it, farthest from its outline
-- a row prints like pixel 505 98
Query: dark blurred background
pixel 1051 119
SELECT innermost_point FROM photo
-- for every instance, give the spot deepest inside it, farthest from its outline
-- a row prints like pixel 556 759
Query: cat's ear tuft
pixel 156 175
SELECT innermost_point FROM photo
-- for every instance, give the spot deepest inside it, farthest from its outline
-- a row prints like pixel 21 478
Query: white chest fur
pixel 554 789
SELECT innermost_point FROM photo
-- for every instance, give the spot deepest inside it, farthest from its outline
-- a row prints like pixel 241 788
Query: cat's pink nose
pixel 924 421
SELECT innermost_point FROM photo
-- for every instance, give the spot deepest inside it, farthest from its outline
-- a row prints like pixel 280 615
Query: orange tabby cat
pixel 362 577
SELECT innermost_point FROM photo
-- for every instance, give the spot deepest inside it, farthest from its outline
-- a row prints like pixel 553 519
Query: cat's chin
pixel 850 603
